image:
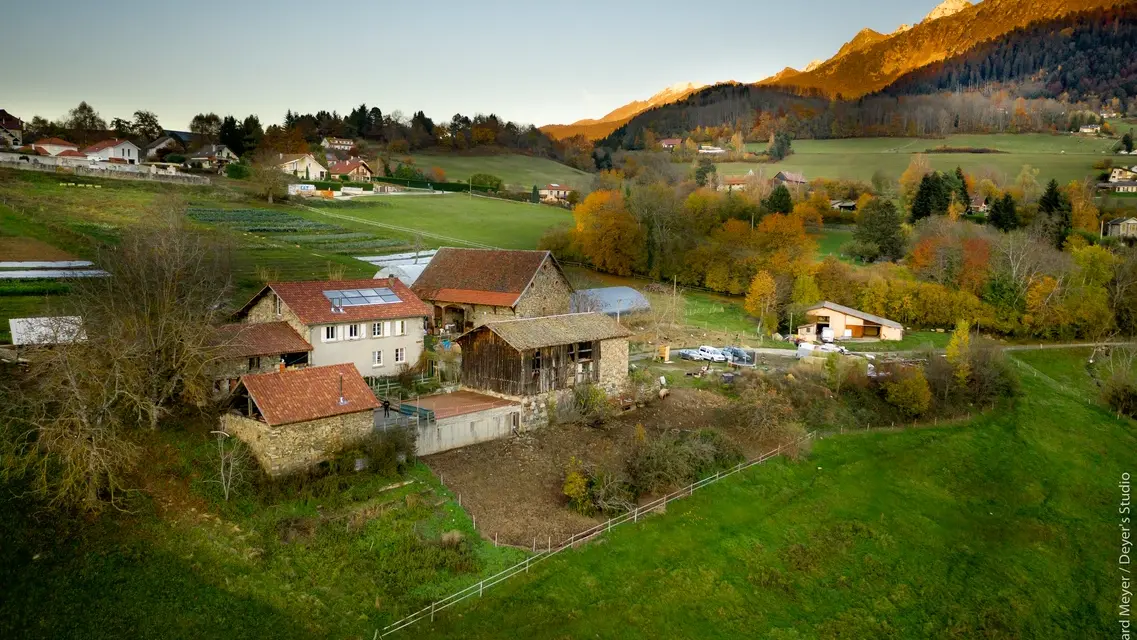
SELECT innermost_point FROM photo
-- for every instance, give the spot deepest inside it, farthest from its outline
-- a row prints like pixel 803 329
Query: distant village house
pixel 339 144
pixel 669 144
pixel 554 192
pixel 114 150
pixel 355 169
pixel 11 130
pixel 1121 228
pixel 841 322
pixel 55 146
pixel 301 165
pixel 211 156
pixel 789 178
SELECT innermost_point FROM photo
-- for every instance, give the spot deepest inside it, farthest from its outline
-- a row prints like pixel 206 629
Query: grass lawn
pixel 519 172
pixel 499 223
pixel 913 340
pixel 1006 526
pixel 1063 157
pixel 829 241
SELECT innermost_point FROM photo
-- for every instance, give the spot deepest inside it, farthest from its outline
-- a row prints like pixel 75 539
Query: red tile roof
pixel 71 153
pixel 557 187
pixel 347 166
pixel 246 340
pixel 470 296
pixel 300 395
pixel 105 144
pixel 493 271
pixel 308 302
pixel 59 142
pixel 42 151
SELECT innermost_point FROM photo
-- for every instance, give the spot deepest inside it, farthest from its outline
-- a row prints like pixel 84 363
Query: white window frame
pixel 400 328
pixel 377 359
pixel 334 329
pixel 400 355
pixel 353 332
pixel 377 330
pixel 277 305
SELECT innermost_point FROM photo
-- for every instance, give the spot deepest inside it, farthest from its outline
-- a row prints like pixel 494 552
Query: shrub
pixel 491 182
pixel 910 393
pixel 575 488
pixel 1120 393
pixel 238 171
pixel 673 461
pixel 175 157
pixel 864 251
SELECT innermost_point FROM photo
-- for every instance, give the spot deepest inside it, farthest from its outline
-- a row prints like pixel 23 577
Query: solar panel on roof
pixel 361 297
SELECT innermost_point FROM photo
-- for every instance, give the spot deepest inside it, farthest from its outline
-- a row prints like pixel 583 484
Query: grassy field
pixel 498 223
pixel 1004 527
pixel 1064 157
pixel 913 341
pixel 518 171
pixel 829 241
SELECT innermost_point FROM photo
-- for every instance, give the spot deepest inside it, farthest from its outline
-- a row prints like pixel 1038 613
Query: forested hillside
pixel 1081 56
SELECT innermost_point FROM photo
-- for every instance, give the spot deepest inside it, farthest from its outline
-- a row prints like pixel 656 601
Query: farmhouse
pixel 469 287
pixel 1122 228
pixel 1121 174
pixel 292 420
pixel 355 169
pixel 339 144
pixel 789 178
pixel 670 143
pixel 211 156
pixel 1090 128
pixel 257 348
pixel 1124 186
pixel 114 150
pixel 978 204
pixel 55 146
pixel 535 356
pixel 11 130
pixel 376 325
pixel 554 192
pixel 730 183
pixel 167 143
pixel 846 322
pixel 301 165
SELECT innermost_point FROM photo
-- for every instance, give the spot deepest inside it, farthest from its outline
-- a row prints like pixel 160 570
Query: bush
pixel 1120 393
pixel 864 251
pixel 575 487
pixel 490 182
pixel 175 158
pixel 910 393
pixel 673 461
pixel 238 171
pixel 588 405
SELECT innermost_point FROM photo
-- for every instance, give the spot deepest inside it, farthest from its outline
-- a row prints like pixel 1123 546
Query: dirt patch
pixel 27 249
pixel 513 487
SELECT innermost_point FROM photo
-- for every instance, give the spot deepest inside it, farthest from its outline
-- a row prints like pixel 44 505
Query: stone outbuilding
pixel 257 348
pixel 470 287
pixel 293 420
pixel 846 323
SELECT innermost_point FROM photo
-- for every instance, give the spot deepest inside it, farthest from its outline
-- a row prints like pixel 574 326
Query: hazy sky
pixel 533 62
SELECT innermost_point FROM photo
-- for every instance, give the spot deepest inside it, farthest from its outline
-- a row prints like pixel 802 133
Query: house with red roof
pixel 114 150
pixel 56 146
pixel 377 325
pixel 555 192
pixel 356 170
pixel 292 420
pixel 469 287
pixel 264 347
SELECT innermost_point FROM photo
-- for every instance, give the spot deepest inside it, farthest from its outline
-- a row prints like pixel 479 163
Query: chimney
pixel 343 400
pixel 281 365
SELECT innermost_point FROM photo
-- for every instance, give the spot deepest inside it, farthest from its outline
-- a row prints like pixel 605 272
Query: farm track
pixel 407 230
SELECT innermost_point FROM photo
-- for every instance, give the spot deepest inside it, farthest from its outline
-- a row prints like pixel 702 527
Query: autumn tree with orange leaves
pixel 607 234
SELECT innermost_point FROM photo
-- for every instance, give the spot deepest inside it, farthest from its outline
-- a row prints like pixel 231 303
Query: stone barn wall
pixel 295 447
pixel 548 295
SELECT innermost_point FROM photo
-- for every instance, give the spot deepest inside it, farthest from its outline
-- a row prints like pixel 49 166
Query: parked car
pixel 833 348
pixel 712 354
pixel 691 354
pixel 736 354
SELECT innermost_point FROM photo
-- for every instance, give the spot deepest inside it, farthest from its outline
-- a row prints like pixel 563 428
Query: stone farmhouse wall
pixel 265 311
pixel 292 448
pixel 548 295
pixel 614 365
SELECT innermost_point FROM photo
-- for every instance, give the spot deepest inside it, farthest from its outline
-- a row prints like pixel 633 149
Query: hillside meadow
pixel 1003 526
pixel 519 172
pixel 1064 157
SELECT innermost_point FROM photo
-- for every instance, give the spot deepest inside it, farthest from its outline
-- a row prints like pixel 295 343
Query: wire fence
pixel 580 538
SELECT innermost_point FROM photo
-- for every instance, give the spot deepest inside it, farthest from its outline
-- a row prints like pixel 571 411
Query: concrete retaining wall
pixel 464 430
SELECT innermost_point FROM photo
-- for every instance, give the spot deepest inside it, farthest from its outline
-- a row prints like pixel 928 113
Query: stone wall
pixel 264 310
pixel 548 295
pixel 81 167
pixel 292 448
pixel 614 365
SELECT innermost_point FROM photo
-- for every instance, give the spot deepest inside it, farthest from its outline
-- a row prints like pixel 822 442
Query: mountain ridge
pixel 594 128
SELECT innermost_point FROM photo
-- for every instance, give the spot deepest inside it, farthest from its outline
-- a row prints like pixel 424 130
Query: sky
pixel 532 62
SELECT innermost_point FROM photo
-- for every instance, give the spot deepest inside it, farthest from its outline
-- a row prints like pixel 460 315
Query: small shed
pixel 611 301
pixel 292 420
pixel 532 356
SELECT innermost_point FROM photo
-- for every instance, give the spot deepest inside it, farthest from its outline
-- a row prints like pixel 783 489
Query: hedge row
pixel 438 186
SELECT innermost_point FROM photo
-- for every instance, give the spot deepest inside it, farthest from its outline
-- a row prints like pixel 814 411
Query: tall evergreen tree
pixel 535 197
pixel 780 200
pixel 232 135
pixel 1051 200
pixel 962 194
pixel 924 204
pixel 1003 215
pixel 879 224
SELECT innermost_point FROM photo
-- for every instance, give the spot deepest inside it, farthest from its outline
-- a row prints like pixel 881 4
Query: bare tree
pixel 233 464
pixel 266 175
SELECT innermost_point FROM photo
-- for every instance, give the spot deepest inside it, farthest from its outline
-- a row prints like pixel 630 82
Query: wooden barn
pixel 532 356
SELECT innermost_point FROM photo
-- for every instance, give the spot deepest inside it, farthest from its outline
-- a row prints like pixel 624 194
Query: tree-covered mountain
pixel 1077 57
pixel 871 68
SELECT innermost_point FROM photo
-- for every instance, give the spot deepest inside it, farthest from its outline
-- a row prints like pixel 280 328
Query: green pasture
pixel 519 172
